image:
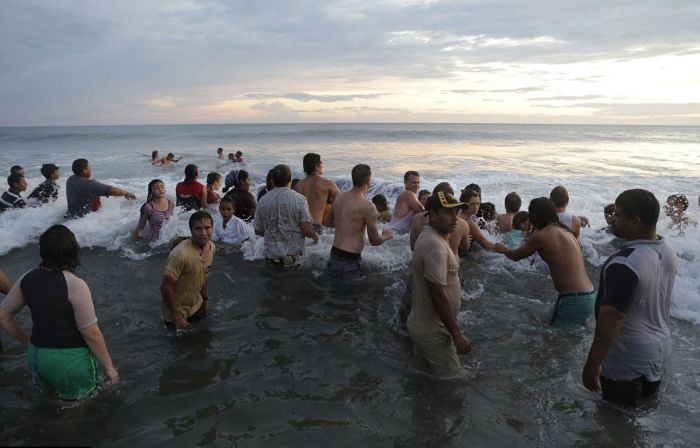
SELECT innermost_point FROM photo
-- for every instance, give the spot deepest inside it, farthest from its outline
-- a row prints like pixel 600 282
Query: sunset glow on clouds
pixel 79 62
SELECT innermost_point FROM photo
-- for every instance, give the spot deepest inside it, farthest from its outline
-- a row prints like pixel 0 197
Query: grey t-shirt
pixel 80 194
pixel 278 216
pixel 638 280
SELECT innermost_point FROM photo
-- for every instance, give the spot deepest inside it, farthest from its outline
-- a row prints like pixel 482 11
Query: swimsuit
pixel 573 308
pixel 344 265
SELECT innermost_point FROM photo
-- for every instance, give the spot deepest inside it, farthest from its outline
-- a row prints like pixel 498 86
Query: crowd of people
pixel 632 336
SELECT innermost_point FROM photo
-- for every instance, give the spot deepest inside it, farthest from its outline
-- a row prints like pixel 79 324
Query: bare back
pixel 406 202
pixel 352 214
pixel 458 240
pixel 560 249
pixel 317 191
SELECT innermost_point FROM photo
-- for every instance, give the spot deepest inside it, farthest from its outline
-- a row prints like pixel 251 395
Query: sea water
pixel 292 358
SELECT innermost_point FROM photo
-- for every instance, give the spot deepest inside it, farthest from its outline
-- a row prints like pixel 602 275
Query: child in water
pixel 675 208
pixel 521 229
pixel 383 212
pixel 423 196
pixel 156 211
pixel 228 228
pixel 213 184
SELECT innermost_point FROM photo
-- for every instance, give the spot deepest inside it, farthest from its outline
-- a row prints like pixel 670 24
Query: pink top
pixel 155 219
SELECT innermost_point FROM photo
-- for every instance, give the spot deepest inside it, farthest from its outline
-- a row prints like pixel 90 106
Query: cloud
pixel 567 98
pixel 304 97
pixel 517 90
pixel 645 109
pixel 276 111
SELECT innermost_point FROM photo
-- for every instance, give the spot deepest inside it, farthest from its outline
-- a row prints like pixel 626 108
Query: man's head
pixel 16 169
pixel 17 182
pixel 220 151
pixel 281 176
pixel 636 214
pixel 361 175
pixel 445 187
pixel 542 213
pixel 559 196
pixel 50 171
pixel 201 227
pixel 379 201
pixel 442 212
pixel 411 181
pixel 312 164
pixel 81 168
pixel 513 202
pixel 473 201
pixel 474 187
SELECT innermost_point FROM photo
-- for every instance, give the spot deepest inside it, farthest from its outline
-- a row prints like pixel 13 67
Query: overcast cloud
pixel 120 62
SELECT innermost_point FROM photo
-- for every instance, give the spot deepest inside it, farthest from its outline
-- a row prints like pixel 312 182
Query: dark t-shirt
pixel 45 191
pixel 83 195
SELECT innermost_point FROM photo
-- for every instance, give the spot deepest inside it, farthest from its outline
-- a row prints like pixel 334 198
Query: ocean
pixel 295 359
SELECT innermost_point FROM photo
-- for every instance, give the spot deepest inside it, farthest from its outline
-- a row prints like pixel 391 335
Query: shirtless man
pixel 504 221
pixel 560 249
pixel 407 204
pixel 560 197
pixel 458 239
pixel 317 190
pixel 351 215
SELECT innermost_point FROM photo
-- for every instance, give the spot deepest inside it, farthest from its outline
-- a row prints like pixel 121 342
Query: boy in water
pixel 229 229
pixel 558 246
pixel 504 222
pixel 47 190
pixel 12 198
pixel 521 228
pixel 423 196
pixel 382 206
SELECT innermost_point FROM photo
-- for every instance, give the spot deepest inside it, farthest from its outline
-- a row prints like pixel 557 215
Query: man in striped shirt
pixel 12 197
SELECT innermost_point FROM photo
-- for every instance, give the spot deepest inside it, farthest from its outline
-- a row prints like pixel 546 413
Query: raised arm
pixel 531 246
pixel 114 191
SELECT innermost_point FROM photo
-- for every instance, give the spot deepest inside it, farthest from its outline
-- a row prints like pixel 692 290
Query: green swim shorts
pixel 70 371
pixel 573 308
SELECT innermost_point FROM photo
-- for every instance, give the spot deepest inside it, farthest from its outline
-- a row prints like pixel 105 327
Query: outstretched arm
pixel 531 246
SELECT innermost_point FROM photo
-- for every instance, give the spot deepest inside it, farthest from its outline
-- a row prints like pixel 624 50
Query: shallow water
pixel 294 359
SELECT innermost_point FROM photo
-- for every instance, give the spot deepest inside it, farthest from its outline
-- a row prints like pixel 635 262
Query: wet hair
pixel 220 150
pixel 239 153
pixel 424 193
pixel 609 210
pixel 231 180
pixel 78 166
pixel 231 156
pixel 191 172
pixel 200 216
pixel 360 174
pixel 467 194
pixel 641 203
pixel 380 202
pixel 487 211
pixel 268 180
pixel 559 196
pixel 154 154
pixel 310 162
pixel 59 249
pixel 513 202
pixel 242 175
pixel 281 175
pixel 542 212
pixel 149 194
pixel 407 175
pixel 16 169
pixel 678 199
pixel 213 177
pixel 13 179
pixel 229 200
pixel 445 187
pixel 48 169
pixel 473 187
pixel 170 155
pixel 520 218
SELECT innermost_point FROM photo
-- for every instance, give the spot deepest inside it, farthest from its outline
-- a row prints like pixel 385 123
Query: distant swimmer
pixel 238 157
pixel 155 212
pixel 557 245
pixel 458 239
pixel 352 215
pixel 560 196
pixel 65 338
pixel 504 221
pixel 675 208
pixel 472 199
pixel 12 198
pixel 633 333
pixel 47 190
pixel 155 158
pixel 317 190
pixel 190 194
pixel 283 218
pixel 220 154
pixel 407 204
pixel 83 194
pixel 184 285
pixel 435 300
pixel 382 206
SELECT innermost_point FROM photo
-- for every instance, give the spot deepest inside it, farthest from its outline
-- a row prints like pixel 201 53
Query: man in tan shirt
pixel 435 302
pixel 184 285
pixel 318 190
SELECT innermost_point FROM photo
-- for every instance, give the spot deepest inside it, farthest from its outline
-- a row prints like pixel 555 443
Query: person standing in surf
pixel 317 190
pixel 407 204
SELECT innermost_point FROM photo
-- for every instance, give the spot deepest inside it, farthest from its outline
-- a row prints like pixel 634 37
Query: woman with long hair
pixel 155 211
pixel 65 336
pixel 245 201
pixel 191 195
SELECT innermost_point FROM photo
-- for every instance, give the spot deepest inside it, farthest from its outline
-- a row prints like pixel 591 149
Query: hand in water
pixel 181 323
pixel 387 233
pixel 112 375
pixel 591 376
pixel 462 344
pixel 500 248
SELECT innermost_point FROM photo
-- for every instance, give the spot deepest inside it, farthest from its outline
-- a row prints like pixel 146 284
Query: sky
pixel 74 62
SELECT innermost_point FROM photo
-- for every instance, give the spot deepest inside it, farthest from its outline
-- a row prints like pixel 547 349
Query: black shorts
pixel 628 393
